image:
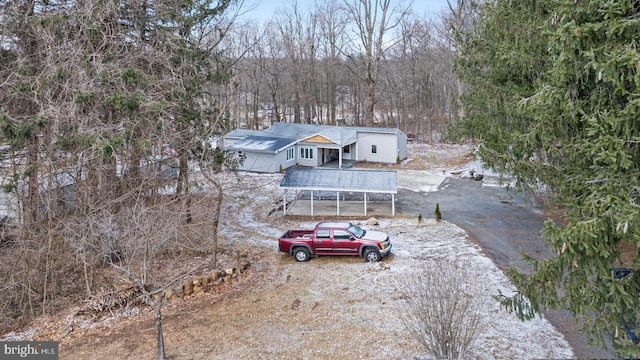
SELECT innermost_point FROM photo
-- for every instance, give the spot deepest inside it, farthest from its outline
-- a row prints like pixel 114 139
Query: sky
pixel 264 10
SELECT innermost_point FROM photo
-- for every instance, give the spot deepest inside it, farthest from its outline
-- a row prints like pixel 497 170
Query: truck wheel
pixel 371 255
pixel 301 254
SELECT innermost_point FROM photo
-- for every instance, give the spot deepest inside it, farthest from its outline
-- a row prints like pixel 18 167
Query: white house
pixel 284 145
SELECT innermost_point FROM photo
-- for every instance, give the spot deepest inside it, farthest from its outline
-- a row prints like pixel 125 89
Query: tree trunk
pixel 460 86
pixel 296 107
pixel 216 221
pixel 183 185
pixel 87 280
pixel 370 103
pixel 430 128
pixel 133 176
pixel 157 315
pixel 332 105
pixel 256 106
pixel 34 191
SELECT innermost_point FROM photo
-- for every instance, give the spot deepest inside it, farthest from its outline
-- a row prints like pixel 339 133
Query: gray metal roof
pixel 294 130
pixel 374 181
pixel 261 144
pixel 341 135
pixel 241 133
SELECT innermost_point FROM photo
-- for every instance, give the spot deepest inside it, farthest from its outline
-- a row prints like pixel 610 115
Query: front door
pixel 343 243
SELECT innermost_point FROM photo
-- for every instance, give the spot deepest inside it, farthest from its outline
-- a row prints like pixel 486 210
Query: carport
pixel 340 181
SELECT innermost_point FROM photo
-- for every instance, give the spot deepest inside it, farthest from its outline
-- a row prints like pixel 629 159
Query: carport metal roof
pixel 340 180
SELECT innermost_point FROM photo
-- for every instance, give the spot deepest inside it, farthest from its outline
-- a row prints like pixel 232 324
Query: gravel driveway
pixel 504 225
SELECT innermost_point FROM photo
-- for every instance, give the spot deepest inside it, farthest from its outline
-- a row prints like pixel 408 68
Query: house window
pixel 346 149
pixel 374 149
pixel 240 153
pixel 306 153
pixel 290 154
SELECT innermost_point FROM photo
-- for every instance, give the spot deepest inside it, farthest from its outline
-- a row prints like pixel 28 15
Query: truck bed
pixel 296 234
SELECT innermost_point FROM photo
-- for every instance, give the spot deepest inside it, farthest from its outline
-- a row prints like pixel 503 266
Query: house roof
pixel 304 130
pixel 374 181
pixel 338 135
pixel 293 130
pixel 281 135
pixel 241 133
pixel 269 144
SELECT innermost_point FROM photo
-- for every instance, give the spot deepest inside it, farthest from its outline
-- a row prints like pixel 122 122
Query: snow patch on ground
pixel 503 335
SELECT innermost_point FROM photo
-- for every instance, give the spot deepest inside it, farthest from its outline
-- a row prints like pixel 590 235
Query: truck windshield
pixel 356 230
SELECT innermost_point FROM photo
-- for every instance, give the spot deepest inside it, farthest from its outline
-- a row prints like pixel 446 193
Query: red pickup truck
pixel 335 238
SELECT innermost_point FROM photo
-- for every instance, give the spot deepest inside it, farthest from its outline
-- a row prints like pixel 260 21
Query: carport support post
pixel 284 202
pixel 337 203
pixel 365 204
pixel 393 204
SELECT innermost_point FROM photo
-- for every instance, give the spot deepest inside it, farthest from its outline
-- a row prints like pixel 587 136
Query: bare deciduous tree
pixel 298 31
pixel 343 60
pixel 442 309
pixel 104 105
pixel 457 21
pixel 146 233
pixel 332 24
pixel 373 20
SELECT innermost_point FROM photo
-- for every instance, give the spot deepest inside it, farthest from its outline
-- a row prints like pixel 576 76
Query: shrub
pixel 442 309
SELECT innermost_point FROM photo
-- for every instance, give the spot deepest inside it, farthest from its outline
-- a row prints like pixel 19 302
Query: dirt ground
pixel 329 307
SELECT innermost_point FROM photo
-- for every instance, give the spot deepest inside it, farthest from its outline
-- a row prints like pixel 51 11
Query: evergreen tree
pixel 104 87
pixel 555 100
pixel 499 61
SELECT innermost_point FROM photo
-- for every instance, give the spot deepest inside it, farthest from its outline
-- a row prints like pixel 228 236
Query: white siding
pixel 386 147
pixel 402 145
pixel 259 162
pixel 351 155
pixel 307 148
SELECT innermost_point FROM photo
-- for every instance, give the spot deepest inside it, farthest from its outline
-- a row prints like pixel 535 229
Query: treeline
pixel 105 106
pixel 339 63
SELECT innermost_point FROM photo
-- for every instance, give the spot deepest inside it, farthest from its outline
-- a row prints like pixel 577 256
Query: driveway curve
pixel 505 225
